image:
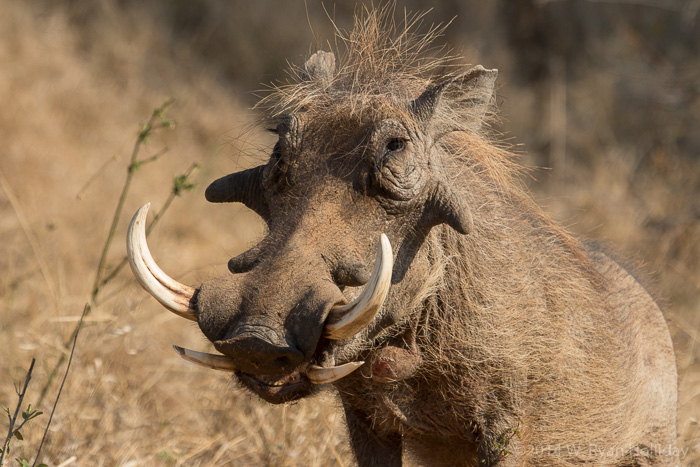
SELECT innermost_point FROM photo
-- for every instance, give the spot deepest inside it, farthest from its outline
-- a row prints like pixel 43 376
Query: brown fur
pixel 510 345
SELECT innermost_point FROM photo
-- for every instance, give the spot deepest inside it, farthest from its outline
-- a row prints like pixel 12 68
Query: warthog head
pixel 362 163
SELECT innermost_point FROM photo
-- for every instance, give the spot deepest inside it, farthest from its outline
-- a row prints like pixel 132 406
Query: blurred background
pixel 601 97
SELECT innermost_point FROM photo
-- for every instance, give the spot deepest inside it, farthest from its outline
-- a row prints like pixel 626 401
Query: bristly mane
pixel 381 67
pixel 376 58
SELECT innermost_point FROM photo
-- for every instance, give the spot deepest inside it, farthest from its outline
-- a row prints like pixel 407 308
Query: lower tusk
pixel 215 362
pixel 321 375
pixel 345 321
pixel 174 296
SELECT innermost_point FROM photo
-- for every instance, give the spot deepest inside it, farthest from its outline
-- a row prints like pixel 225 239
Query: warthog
pixel 485 333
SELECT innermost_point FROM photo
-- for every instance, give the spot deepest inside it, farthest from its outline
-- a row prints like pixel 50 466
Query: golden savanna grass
pixel 69 120
pixel 73 95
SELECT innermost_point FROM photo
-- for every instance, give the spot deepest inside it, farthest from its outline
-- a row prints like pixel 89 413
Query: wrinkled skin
pixel 525 332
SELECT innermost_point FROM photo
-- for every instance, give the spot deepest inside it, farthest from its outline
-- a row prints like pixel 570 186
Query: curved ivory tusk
pixel 345 321
pixel 171 294
pixel 215 362
pixel 320 375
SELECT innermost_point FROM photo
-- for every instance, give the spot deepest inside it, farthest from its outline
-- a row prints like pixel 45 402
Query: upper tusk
pixel 321 375
pixel 174 296
pixel 215 362
pixel 345 321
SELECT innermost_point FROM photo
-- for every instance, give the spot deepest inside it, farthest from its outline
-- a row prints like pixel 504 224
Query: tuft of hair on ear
pixel 459 102
pixel 385 55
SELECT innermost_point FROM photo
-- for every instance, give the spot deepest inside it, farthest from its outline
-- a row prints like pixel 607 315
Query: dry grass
pixel 73 97
pixel 70 117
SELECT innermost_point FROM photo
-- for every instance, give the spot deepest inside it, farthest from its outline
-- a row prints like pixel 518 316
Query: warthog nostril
pixel 256 355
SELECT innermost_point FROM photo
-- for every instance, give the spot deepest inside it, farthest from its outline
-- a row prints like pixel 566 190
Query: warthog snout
pixel 264 329
pixel 271 336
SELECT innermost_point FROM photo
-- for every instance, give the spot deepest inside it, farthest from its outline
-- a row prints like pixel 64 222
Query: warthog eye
pixel 396 144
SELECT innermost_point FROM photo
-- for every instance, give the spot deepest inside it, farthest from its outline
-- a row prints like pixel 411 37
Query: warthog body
pixel 502 341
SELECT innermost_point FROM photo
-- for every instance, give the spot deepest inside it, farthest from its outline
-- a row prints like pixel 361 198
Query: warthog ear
pixel 469 94
pixel 241 187
pixel 444 206
pixel 320 67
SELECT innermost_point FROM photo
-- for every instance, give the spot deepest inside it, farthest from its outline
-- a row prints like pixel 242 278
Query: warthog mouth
pixel 278 388
pixel 274 388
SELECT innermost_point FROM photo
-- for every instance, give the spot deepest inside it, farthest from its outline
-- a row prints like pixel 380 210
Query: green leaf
pixel 18 435
pixel 181 183
pixel 22 462
pixel 34 414
pixel 29 414
pixel 144 133
pixel 135 166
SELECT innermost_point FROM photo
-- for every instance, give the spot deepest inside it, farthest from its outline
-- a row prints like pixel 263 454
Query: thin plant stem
pixel 65 375
pixel 11 429
pixel 175 192
pixel 133 165
pixel 61 360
